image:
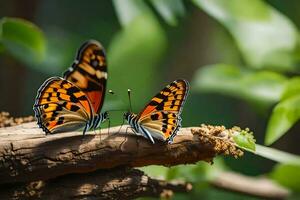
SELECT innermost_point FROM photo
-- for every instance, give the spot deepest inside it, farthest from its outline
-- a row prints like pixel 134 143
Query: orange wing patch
pixel 61 106
pixel 162 122
pixel 170 98
pixel 89 73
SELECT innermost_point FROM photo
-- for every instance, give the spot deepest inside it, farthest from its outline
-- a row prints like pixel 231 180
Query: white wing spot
pixel 100 74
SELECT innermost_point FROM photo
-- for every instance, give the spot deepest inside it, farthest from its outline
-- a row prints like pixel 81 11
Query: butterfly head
pixel 105 116
pixel 128 116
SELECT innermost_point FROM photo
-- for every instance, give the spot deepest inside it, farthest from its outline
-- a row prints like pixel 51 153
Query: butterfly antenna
pixel 111 92
pixel 129 98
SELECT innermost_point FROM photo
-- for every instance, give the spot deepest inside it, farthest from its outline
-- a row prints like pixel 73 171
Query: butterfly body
pixel 132 119
pixel 160 119
pixel 74 101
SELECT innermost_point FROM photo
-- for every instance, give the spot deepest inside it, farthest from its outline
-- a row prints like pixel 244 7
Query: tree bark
pixel 119 183
pixel 99 165
pixel 27 154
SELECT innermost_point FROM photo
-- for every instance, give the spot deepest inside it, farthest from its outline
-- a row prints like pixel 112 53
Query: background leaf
pixel 287 175
pixel 292 88
pixel 169 10
pixel 266 38
pixel 285 114
pixel 262 88
pixel 23 40
pixel 128 10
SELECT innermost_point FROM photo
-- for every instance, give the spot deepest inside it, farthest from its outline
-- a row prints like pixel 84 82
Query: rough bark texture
pixel 119 183
pixel 26 154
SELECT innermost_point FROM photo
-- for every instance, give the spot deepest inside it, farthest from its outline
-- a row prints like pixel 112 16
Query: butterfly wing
pixel 61 106
pixel 162 125
pixel 161 117
pixel 89 73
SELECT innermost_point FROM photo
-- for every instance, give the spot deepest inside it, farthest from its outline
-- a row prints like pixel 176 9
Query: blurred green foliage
pixel 259 88
pixel 22 39
pixel 287 175
pixel 285 114
pixel 146 49
pixel 277 155
pixel 141 31
pixel 266 38
pixel 169 10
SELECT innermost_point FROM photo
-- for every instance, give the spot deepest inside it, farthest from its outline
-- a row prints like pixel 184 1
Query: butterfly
pixel 161 119
pixel 74 101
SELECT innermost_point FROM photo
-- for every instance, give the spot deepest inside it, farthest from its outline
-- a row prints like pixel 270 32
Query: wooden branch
pixel 27 154
pixel 119 183
pixel 254 186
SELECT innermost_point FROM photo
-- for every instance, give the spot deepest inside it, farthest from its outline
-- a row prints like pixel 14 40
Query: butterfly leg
pixel 108 126
pixel 94 129
pixel 85 128
pixel 121 126
pixel 100 133
pixel 132 129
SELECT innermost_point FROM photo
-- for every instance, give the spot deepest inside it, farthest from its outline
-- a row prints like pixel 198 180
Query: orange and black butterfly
pixel 161 119
pixel 75 101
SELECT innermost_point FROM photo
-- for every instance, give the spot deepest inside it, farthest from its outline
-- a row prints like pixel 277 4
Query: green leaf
pixel 287 175
pixel 266 38
pixel 277 155
pixel 128 10
pixel 22 39
pixel 285 114
pixel 244 139
pixel 169 10
pixel 292 88
pixel 263 88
